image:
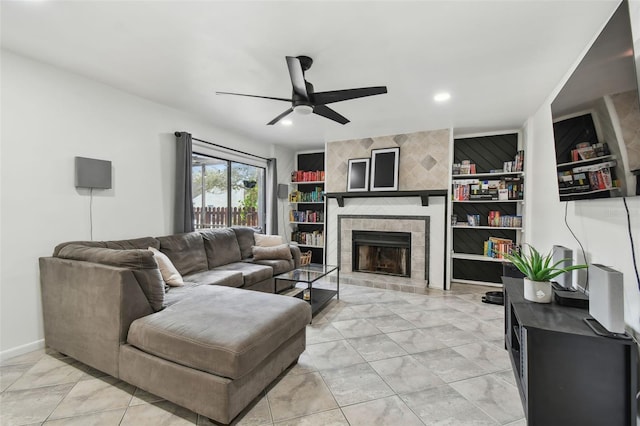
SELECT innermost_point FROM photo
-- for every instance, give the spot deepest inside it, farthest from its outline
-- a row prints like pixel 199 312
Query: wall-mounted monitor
pixel 92 173
pixel 596 116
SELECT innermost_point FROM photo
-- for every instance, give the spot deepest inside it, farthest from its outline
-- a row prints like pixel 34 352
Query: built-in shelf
pixel 488 201
pixel 310 182
pixel 484 175
pixel 589 161
pixel 569 195
pixel 508 228
pixel 310 223
pixel 467 256
pixel 424 195
pixel 306 245
pixel 306 202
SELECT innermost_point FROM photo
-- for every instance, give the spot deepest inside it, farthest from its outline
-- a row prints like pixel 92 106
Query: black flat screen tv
pixel 596 117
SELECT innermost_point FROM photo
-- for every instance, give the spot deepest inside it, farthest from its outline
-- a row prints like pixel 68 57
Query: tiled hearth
pixel 418 226
pixel 375 357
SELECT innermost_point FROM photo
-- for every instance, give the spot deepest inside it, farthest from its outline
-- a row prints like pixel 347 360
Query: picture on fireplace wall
pixel 384 169
pixel 358 175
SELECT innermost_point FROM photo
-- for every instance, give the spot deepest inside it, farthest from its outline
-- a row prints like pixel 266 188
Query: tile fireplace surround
pixel 417 225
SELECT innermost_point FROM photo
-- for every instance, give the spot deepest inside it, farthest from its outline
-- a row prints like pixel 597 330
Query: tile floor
pixel 375 357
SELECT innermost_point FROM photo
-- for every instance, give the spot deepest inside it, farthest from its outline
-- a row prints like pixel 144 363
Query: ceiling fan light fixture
pixel 441 97
pixel 303 109
pixel 286 122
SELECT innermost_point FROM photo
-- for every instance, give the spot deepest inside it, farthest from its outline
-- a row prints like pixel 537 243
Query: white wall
pixel 49 116
pixel 600 225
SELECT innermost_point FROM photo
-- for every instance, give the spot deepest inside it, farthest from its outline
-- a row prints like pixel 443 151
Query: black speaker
pixel 283 190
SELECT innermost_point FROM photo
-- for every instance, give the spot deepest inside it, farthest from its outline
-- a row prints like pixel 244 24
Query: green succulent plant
pixel 537 267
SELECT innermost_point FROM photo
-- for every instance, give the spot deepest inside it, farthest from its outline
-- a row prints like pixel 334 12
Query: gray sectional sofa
pixel 209 345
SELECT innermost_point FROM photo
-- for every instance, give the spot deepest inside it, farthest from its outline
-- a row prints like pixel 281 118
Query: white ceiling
pixel 499 59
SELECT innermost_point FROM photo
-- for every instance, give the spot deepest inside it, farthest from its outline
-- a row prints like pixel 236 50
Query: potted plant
pixel 538 271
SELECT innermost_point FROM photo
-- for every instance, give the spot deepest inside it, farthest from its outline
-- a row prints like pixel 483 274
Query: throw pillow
pixel 263 240
pixel 169 273
pixel 281 251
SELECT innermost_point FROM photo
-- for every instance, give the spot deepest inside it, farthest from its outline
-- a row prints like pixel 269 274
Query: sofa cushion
pixel 245 239
pixel 216 277
pixel 221 246
pixel 279 266
pixel 251 273
pixel 221 330
pixel 276 252
pixel 186 251
pixel 169 273
pixel 263 240
pixel 141 263
pixel 136 243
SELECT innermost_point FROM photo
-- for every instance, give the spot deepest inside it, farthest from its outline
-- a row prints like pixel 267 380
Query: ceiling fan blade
pixel 254 96
pixel 297 77
pixel 327 112
pixel 344 95
pixel 280 117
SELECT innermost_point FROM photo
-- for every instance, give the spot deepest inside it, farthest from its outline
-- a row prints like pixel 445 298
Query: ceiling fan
pixel 305 101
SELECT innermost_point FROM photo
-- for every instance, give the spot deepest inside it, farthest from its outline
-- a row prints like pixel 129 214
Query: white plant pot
pixel 538 291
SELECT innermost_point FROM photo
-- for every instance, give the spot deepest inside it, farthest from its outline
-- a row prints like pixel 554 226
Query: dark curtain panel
pixel 183 209
pixel 272 197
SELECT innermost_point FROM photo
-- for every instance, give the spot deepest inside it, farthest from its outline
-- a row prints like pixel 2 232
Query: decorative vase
pixel 538 291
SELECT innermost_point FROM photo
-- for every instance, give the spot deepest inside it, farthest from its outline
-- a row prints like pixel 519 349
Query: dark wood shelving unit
pixel 566 374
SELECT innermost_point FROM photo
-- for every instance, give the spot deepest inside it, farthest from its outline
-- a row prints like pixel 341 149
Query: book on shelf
pixel 315 196
pixel 309 216
pixel 307 176
pixel 504 221
pixel 315 238
pixel 474 189
pixel 496 247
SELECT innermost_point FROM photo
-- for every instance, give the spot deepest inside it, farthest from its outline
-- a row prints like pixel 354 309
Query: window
pixel 227 193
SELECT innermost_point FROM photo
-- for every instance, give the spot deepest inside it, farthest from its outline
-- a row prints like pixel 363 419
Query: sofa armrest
pixel 88 308
pixel 295 252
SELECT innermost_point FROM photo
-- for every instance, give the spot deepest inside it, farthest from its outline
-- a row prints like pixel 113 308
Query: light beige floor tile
pixel 391 323
pixel 303 366
pixel 424 319
pixel 356 383
pixel 104 418
pixel 322 332
pixel 90 396
pixel 416 340
pixel 333 355
pixel 326 418
pixel 381 412
pixel 486 355
pixel 371 310
pixel 10 373
pixel 442 406
pixel 373 348
pixel 29 406
pixel 141 396
pixel 405 374
pixel 49 371
pixel 300 395
pixel 507 376
pixel 159 413
pixel 449 365
pixel 355 328
pixel 28 358
pixel 451 335
pixel 493 396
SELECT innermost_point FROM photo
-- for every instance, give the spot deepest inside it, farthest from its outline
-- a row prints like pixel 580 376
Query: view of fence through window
pixel 226 193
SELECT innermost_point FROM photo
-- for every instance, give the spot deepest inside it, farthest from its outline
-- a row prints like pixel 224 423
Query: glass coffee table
pixel 308 274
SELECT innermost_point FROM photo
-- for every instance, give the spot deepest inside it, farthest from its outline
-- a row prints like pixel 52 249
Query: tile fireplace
pixel 381 252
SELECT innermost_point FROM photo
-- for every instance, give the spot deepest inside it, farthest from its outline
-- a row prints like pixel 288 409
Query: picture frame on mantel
pixel 384 169
pixel 358 175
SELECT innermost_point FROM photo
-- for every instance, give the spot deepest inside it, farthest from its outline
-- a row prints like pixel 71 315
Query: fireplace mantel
pixel 424 195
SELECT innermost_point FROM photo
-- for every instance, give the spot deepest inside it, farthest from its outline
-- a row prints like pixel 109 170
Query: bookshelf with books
pixel 487 196
pixel 306 204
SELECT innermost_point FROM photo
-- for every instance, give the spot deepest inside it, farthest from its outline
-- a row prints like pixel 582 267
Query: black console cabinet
pixel 566 374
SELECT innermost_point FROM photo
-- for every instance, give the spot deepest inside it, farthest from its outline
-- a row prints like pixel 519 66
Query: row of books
pixel 587 151
pixel 466 167
pixel 505 221
pixel 315 238
pixel 317 195
pixel 311 216
pixel 507 188
pixel 307 176
pixel 587 178
pixel 497 247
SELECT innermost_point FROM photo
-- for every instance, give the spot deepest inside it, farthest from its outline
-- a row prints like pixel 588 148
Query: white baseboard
pixel 20 350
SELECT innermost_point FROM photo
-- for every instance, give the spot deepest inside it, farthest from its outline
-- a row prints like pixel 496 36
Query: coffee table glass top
pixel 307 273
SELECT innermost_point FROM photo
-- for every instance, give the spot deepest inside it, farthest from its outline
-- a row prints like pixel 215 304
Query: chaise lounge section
pixel 210 345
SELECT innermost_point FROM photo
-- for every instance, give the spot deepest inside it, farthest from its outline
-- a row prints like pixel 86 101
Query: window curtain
pixel 183 208
pixel 271 196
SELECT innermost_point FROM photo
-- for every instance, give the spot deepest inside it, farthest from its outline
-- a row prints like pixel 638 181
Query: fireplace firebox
pixel 379 252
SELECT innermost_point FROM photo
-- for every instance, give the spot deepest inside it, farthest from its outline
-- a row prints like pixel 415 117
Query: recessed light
pixel 441 97
pixel 287 122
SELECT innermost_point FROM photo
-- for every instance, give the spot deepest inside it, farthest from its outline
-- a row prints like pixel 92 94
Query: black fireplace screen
pixel 380 252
